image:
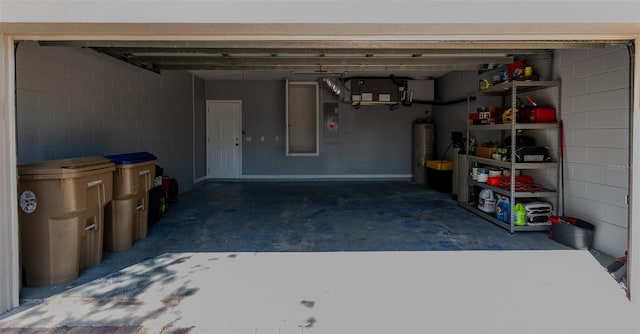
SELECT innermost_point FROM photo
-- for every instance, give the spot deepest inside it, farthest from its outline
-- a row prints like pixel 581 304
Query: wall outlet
pixel 277 138
pixel 262 138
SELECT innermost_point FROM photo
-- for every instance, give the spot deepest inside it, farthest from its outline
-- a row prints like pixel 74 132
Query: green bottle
pixel 519 215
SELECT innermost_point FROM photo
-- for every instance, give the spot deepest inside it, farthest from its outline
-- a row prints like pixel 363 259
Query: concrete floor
pixel 287 226
pixel 311 217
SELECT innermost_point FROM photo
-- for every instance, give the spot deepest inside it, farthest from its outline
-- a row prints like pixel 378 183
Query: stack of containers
pixel 61 217
pixel 126 215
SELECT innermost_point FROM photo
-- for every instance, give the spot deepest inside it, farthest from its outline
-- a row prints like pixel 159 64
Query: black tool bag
pixel 532 154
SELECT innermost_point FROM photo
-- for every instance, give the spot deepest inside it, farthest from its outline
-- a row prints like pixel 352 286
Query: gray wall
pixel 595 110
pixel 73 102
pixel 199 129
pixel 595 113
pixel 372 140
pixel 452 117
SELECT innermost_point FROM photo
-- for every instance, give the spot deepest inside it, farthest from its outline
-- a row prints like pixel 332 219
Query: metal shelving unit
pixel 512 89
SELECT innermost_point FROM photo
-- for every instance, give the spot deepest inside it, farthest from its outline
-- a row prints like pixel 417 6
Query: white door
pixel 223 139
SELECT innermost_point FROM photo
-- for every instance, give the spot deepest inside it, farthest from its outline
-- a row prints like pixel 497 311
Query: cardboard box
pixel 485 151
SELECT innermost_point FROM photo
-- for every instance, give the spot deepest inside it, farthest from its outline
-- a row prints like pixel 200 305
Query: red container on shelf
pixel 541 115
pixel 516 69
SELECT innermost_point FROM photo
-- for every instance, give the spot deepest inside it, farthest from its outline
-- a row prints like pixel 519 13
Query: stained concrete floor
pixel 311 217
pixel 225 220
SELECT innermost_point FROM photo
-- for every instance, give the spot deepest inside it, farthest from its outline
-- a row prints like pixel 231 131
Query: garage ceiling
pixel 212 60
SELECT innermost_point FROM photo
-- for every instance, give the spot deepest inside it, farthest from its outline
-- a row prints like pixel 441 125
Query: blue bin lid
pixel 131 158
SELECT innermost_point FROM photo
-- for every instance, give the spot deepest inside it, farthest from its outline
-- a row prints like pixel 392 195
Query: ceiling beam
pixel 320 68
pixel 333 44
pixel 367 61
pixel 216 51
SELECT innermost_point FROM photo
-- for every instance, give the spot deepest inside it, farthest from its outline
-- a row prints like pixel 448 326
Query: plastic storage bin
pixel 61 217
pixel 126 216
pixel 440 175
pixel 572 232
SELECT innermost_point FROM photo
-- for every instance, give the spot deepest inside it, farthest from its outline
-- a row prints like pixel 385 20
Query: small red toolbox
pixel 541 115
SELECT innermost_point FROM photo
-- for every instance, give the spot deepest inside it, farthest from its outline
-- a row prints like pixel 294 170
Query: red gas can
pixel 542 115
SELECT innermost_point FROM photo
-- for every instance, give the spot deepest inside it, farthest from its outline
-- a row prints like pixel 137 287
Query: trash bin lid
pixel 66 167
pixel 131 158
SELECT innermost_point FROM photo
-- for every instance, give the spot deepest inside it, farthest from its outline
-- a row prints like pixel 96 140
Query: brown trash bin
pixel 126 215
pixel 61 217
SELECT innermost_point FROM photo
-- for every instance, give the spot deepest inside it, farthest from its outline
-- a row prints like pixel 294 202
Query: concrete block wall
pixel 73 102
pixel 595 111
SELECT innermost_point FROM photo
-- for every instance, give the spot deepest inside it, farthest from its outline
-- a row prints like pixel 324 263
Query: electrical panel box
pixel 331 120
pixel 378 90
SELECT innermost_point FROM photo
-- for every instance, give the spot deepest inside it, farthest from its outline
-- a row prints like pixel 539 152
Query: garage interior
pixel 355 193
pixel 75 101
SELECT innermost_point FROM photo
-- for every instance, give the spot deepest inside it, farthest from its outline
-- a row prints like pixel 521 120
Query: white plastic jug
pixel 486 201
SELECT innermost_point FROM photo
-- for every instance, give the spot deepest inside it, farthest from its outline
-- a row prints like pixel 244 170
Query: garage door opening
pixel 79 98
pixel 77 102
